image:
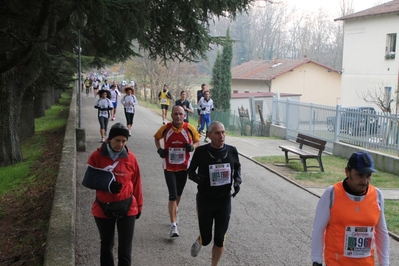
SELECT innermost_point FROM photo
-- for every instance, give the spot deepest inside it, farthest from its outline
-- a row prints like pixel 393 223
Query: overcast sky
pixel 333 5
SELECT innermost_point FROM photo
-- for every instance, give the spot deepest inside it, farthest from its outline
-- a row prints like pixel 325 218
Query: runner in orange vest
pixel 180 138
pixel 350 219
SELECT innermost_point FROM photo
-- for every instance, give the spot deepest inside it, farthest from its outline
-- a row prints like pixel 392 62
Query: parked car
pixel 355 121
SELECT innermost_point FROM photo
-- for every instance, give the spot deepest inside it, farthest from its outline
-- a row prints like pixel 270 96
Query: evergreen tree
pixel 39 37
pixel 221 76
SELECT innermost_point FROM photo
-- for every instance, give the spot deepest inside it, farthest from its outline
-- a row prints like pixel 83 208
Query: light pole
pixel 79 20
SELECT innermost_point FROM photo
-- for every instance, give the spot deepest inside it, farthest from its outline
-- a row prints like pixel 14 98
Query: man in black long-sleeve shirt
pixel 215 167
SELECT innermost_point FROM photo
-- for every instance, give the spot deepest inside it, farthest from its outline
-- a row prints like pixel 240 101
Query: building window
pixel 387 96
pixel 390 48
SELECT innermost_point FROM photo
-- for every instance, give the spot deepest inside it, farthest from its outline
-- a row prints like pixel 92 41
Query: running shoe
pixel 163 123
pixel 174 232
pixel 195 248
pixel 130 133
pixel 102 139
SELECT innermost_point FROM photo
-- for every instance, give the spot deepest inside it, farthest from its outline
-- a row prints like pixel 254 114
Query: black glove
pixel 138 215
pixel 213 109
pixel 189 147
pixel 203 108
pixel 115 187
pixel 162 152
pixel 236 189
pixel 197 178
pixel 317 264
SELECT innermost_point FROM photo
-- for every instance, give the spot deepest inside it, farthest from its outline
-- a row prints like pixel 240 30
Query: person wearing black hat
pixel 103 105
pixel 164 98
pixel 350 219
pixel 114 173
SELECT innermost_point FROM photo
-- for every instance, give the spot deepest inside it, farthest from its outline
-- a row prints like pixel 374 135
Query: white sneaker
pixel 130 133
pixel 195 248
pixel 174 232
pixel 102 139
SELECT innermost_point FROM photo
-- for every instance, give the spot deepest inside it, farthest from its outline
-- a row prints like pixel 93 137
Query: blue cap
pixel 361 162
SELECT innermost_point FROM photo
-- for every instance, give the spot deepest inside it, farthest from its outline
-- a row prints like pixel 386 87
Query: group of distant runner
pixel 109 95
pixel 204 106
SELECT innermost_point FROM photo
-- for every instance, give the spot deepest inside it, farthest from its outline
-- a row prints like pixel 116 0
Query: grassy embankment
pixel 334 172
pixel 27 189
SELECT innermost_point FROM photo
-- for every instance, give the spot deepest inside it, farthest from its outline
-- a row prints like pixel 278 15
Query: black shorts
pixel 129 118
pixel 164 106
pixel 103 122
pixel 176 181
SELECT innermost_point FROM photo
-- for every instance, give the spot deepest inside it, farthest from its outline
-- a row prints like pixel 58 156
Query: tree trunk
pixel 27 126
pixel 40 104
pixel 49 97
pixel 10 102
pixel 13 84
pixel 57 95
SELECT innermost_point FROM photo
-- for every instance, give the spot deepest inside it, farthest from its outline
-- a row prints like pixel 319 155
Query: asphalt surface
pixel 271 219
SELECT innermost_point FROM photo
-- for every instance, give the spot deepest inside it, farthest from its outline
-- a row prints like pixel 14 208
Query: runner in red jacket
pixel 114 173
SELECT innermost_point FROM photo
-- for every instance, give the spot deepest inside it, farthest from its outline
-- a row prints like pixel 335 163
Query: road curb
pixel 393 235
pixel 60 244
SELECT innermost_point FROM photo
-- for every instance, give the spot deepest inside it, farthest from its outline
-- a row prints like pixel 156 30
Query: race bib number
pixel 219 174
pixel 163 101
pixel 358 241
pixel 177 155
pixel 104 114
pixel 130 109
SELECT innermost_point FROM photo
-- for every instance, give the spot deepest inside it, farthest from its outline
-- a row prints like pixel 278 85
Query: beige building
pixel 314 82
pixel 370 66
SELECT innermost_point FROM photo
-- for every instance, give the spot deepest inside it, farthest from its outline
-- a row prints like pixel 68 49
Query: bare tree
pixel 151 75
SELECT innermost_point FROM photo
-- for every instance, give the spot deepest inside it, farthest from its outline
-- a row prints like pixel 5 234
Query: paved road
pixel 270 224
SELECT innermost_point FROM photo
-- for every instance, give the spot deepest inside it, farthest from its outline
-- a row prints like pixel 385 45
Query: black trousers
pixel 125 227
pixel 175 181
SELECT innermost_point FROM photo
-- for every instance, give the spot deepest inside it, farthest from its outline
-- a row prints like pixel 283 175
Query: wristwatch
pixel 317 264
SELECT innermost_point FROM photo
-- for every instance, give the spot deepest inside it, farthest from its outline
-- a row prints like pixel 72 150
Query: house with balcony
pixel 312 81
pixel 370 65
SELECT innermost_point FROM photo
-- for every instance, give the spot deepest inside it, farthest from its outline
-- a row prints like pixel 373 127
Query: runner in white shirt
pixel 129 101
pixel 114 99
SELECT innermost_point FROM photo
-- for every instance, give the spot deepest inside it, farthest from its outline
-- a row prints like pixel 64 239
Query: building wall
pixel 242 86
pixel 314 82
pixel 365 68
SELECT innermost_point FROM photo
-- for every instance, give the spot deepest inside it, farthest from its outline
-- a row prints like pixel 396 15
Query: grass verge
pixel 27 189
pixel 334 172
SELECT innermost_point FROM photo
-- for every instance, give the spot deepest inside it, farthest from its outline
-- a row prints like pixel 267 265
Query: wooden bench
pixel 315 143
